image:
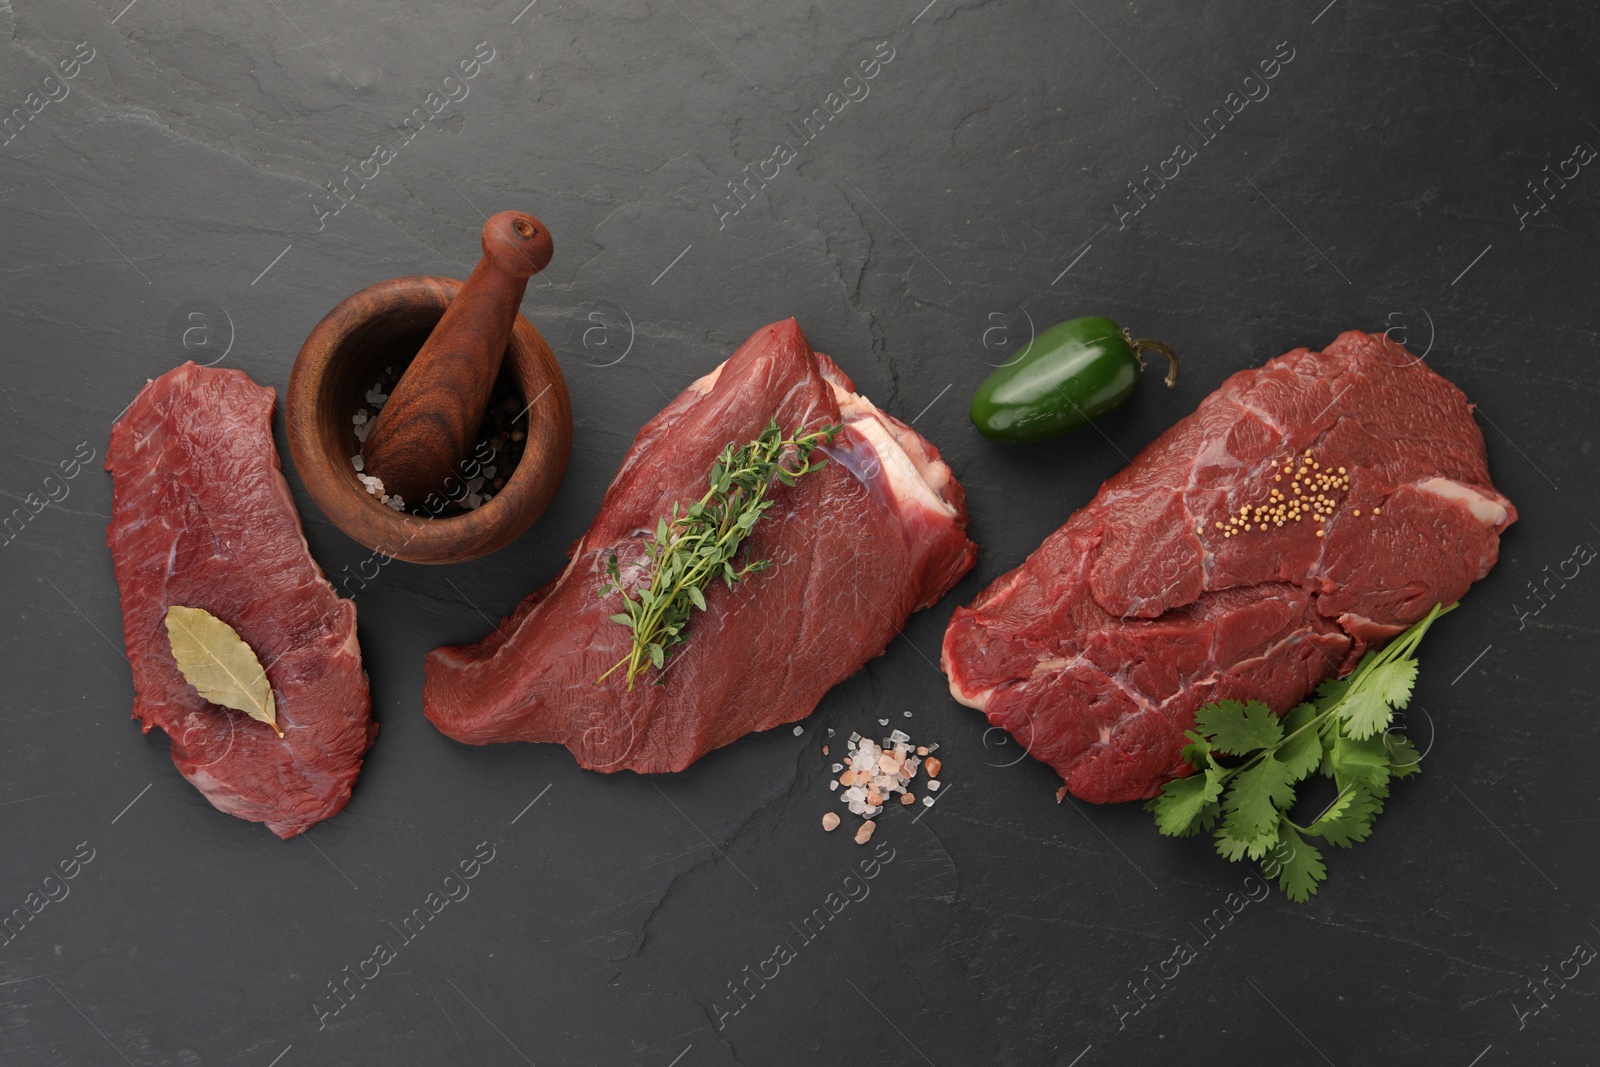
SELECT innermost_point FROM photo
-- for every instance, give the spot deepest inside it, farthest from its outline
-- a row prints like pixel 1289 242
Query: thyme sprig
pixel 694 546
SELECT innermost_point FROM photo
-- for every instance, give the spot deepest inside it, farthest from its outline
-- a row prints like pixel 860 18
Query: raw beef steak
pixel 857 547
pixel 202 518
pixel 1308 508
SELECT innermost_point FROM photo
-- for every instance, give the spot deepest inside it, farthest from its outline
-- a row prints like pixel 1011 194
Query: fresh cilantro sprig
pixel 1343 733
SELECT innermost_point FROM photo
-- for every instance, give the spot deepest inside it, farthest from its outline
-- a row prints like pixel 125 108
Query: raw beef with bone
pixel 202 518
pixel 1159 597
pixel 857 547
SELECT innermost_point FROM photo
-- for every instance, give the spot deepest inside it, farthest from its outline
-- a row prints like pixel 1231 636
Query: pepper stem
pixel 1143 344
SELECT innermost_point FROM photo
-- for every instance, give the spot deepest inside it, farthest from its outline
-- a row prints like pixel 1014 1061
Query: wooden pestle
pixel 429 424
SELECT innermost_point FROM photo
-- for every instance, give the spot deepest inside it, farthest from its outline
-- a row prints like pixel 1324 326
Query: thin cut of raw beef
pixel 201 517
pixel 857 547
pixel 1308 508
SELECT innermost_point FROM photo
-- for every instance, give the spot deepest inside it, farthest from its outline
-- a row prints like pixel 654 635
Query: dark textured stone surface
pixel 1374 187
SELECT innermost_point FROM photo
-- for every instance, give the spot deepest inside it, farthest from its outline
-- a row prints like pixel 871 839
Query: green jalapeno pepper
pixel 1072 373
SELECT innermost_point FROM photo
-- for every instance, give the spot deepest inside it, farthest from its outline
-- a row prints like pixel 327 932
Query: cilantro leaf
pixel 1379 687
pixel 1255 795
pixel 1261 844
pixel 1187 805
pixel 1364 711
pixel 1404 759
pixel 1301 752
pixel 1393 680
pixel 1249 762
pixel 1365 761
pixel 1349 819
pixel 1300 866
pixel 1331 692
pixel 1198 752
pixel 1333 811
pixel 1236 729
pixel 1254 847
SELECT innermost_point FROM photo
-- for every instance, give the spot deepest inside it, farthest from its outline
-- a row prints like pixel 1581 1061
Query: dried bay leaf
pixel 218 663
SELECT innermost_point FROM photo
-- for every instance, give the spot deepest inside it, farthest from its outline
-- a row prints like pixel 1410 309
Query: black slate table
pixel 176 181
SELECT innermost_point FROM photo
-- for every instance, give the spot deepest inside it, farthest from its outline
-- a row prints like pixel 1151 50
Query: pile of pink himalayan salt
pixel 874 772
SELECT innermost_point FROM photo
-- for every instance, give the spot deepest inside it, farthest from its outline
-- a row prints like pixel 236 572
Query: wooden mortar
pixel 388 324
